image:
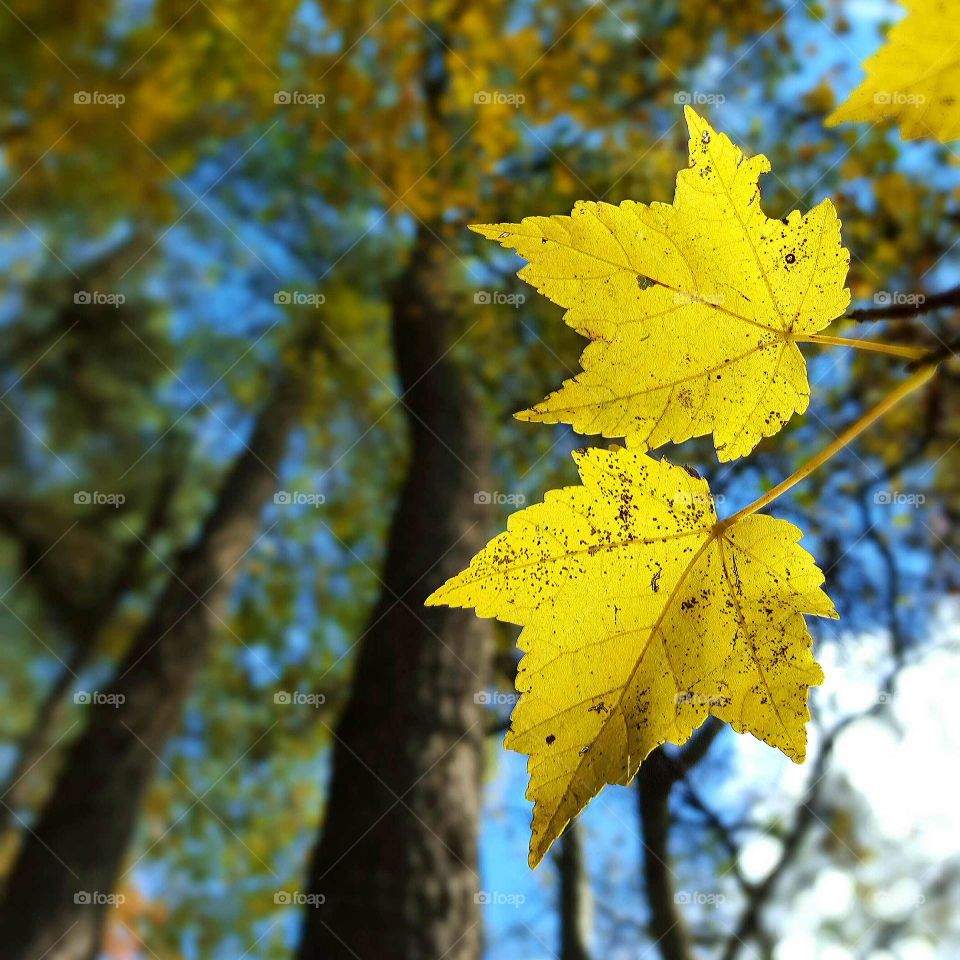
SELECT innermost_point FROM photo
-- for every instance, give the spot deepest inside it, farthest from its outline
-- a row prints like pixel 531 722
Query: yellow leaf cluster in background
pixel 641 615
pixel 694 309
pixel 915 77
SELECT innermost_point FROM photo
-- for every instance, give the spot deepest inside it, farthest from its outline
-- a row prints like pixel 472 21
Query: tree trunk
pixel 654 783
pixel 575 900
pixel 397 857
pixel 83 620
pixel 38 742
pixel 55 898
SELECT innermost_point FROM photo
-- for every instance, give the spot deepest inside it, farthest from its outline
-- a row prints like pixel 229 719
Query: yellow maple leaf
pixel 641 615
pixel 914 77
pixel 694 309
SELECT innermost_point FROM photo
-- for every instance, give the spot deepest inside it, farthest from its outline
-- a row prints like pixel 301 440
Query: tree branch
pixel 696 748
pixel 899 311
pixel 749 927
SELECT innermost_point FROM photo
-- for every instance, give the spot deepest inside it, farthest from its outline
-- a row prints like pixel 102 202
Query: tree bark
pixel 71 860
pixel 575 900
pixel 37 742
pixel 83 620
pixel 396 862
pixel 654 783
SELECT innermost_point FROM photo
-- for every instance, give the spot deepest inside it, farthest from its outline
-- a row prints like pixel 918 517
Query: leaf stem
pixel 891 349
pixel 914 382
